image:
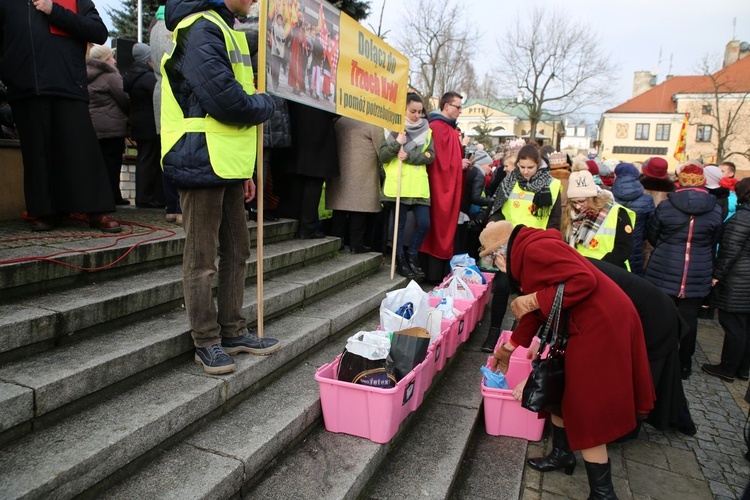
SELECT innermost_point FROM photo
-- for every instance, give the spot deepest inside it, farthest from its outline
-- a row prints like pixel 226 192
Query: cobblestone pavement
pixel 669 465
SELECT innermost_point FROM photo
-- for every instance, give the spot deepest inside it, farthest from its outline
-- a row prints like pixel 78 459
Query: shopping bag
pixel 494 380
pixel 404 308
pixel 469 274
pixel 458 288
pixel 408 349
pixel 365 351
pixel 434 324
pixel 465 260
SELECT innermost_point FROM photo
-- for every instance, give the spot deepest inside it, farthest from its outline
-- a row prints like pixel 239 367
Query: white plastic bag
pixel 446 308
pixel 464 260
pixel 469 275
pixel 458 288
pixel 434 320
pixel 390 321
pixel 372 345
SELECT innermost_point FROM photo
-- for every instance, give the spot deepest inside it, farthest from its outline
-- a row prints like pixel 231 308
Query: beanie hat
pixel 655 168
pixel 626 170
pixel 607 167
pixel 494 235
pixel 691 174
pixel 101 52
pixel 593 167
pixel 713 176
pixel 141 53
pixel 742 188
pixel 581 185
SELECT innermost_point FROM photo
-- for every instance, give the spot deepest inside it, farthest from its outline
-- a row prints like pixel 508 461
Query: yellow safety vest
pixel 604 240
pixel 414 182
pixel 231 148
pixel 519 205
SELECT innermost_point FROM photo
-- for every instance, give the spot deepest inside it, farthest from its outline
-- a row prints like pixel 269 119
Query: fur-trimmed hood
pixel 653 184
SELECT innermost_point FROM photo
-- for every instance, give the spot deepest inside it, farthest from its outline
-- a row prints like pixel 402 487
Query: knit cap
pixel 713 176
pixel 581 185
pixel 593 167
pixel 101 52
pixel 691 174
pixel 626 170
pixel 141 53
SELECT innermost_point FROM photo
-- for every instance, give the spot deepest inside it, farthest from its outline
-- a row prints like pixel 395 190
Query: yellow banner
pixel 318 56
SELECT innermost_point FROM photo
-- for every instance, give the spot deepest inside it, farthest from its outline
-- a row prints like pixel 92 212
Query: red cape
pixel 446 188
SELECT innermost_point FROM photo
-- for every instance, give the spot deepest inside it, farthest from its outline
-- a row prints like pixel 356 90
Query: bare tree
pixel 555 63
pixel 725 113
pixel 439 47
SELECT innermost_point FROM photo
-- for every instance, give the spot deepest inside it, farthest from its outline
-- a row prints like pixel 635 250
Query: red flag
pixel 679 151
pixel 322 26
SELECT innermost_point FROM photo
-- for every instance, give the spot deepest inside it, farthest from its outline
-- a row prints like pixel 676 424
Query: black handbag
pixel 546 384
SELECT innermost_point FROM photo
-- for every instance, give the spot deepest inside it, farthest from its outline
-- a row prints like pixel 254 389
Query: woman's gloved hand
pixel 501 358
pixel 524 305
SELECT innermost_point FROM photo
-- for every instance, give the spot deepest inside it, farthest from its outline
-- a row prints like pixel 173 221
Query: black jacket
pixel 139 83
pixel 35 62
pixel 733 264
pixel 668 232
pixel 629 193
pixel 203 82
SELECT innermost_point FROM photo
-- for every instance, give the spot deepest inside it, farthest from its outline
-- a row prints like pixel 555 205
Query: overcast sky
pixel 631 31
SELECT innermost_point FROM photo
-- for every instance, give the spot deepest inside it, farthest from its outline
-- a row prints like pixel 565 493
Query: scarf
pixel 538 184
pixel 586 225
pixel 160 13
pixel 416 135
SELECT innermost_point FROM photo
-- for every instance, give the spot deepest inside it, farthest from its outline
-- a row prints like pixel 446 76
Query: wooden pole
pixel 262 28
pixel 395 220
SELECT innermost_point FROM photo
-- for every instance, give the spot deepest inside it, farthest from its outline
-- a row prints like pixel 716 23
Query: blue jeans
pixel 422 217
pixel 214 217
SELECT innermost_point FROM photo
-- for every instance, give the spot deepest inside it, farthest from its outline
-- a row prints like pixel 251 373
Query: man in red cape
pixel 445 175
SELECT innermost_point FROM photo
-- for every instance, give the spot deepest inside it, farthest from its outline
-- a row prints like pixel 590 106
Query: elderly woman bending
pixel 607 377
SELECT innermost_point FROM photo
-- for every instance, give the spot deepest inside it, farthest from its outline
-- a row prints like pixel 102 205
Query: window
pixel 707 109
pixel 704 133
pixel 662 132
pixel 641 131
pixel 639 150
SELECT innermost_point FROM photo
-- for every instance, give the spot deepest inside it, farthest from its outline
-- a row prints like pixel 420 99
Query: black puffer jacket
pixel 733 264
pixel 202 81
pixel 35 62
pixel 629 193
pixel 139 83
pixel 669 230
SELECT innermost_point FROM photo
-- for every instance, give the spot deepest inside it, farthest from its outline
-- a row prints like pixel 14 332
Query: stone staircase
pixel 100 397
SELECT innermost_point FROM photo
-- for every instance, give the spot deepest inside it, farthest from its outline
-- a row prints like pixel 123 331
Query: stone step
pixel 37 276
pixel 68 373
pixel 51 317
pixel 80 451
pixel 338 466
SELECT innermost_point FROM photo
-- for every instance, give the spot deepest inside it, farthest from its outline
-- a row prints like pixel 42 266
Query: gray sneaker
pixel 214 359
pixel 249 343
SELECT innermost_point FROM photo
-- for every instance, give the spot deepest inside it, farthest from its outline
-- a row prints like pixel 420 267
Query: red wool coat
pixel 445 175
pixel 607 374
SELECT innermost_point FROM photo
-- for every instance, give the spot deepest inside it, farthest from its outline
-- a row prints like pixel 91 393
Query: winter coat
pixel 161 43
pixel 109 104
pixel 139 83
pixel 203 83
pixel 277 132
pixel 733 264
pixel 314 152
pixel 36 62
pixel 357 189
pixel 629 193
pixel 662 325
pixel 474 190
pixel 669 230
pixel 607 374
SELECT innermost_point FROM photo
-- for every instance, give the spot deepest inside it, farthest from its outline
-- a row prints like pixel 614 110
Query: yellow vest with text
pixel 231 148
pixel 414 182
pixel 604 240
pixel 517 209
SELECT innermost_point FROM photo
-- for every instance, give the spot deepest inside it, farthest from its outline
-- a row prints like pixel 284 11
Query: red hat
pixel 593 167
pixel 691 174
pixel 655 167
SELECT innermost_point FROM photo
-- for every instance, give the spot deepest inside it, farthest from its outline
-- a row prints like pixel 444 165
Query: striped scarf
pixel 586 225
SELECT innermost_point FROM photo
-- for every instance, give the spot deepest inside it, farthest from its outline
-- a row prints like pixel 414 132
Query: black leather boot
pixel 561 456
pixel 403 268
pixel 600 481
pixel 491 340
pixel 413 260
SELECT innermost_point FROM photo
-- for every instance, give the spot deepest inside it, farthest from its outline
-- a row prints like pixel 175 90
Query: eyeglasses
pixel 578 203
pixel 459 107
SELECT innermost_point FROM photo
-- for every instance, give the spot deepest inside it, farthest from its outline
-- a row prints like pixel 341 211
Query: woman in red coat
pixel 607 375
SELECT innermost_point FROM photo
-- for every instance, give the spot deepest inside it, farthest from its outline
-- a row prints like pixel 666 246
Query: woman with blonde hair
pixel 594 224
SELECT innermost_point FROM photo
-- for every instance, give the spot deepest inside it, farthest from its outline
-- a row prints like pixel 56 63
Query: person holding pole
pixel 404 156
pixel 209 112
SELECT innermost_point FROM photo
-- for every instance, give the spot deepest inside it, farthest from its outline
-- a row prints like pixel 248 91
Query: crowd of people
pixel 656 248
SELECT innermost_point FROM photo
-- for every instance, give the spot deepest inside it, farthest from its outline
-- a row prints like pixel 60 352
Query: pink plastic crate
pixel 437 352
pixel 503 415
pixel 481 293
pixel 464 320
pixel 363 411
pixel 452 328
pixel 488 277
